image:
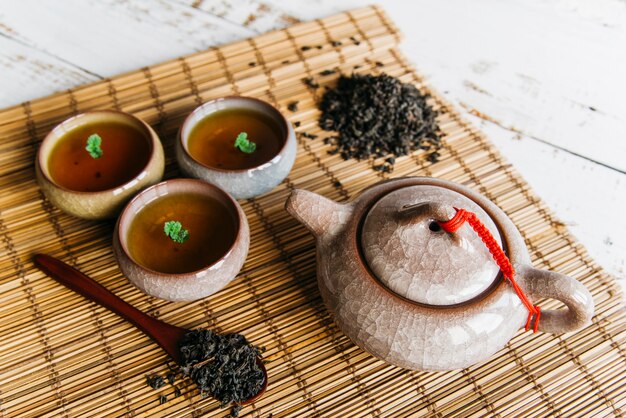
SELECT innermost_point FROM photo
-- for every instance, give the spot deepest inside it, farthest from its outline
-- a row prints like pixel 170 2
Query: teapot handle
pixel 548 284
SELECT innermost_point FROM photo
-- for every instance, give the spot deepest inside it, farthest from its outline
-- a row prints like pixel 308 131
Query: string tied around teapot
pixel 498 255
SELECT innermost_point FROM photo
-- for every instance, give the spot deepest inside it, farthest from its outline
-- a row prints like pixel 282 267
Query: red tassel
pixel 498 255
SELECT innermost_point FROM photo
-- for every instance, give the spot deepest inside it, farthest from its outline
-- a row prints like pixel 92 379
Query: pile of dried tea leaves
pixel 379 116
pixel 223 366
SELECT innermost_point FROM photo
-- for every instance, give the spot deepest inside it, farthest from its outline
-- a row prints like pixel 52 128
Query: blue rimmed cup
pixel 240 183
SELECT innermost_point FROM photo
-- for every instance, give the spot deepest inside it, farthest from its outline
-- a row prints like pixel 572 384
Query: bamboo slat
pixel 63 356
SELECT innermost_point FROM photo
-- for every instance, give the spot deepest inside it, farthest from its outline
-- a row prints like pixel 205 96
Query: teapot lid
pixel 409 253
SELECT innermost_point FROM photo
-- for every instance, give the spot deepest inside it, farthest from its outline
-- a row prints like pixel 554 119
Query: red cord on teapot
pixel 500 258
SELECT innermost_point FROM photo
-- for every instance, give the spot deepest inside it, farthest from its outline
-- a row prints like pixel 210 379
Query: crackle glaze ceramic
pixel 416 296
pixel 245 183
pixel 106 203
pixel 184 286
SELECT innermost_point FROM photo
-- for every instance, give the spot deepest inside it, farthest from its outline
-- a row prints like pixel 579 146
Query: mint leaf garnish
pixel 175 231
pixel 93 146
pixel 244 144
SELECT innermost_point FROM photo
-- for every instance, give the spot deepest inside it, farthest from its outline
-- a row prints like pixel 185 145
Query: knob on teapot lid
pixel 409 253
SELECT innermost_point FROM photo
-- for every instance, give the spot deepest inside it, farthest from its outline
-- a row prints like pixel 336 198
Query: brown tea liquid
pixel 212 231
pixel 212 140
pixel 126 152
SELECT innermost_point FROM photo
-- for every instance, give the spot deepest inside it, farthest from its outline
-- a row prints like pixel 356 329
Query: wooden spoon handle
pixel 166 335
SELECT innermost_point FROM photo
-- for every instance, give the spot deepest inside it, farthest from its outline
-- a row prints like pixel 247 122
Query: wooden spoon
pixel 166 335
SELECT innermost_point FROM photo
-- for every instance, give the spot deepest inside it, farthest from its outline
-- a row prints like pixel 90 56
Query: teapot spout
pixel 322 216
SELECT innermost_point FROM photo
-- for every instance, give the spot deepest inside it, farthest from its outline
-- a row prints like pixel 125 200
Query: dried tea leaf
pixel 155 381
pixel 378 116
pixel 224 366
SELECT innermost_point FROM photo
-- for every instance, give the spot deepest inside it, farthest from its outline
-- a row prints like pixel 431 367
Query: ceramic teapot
pixel 419 296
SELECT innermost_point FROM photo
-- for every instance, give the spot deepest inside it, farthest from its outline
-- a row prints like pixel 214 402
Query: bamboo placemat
pixel 63 356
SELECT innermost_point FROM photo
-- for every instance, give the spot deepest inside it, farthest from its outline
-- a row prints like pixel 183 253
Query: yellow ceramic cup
pixel 106 203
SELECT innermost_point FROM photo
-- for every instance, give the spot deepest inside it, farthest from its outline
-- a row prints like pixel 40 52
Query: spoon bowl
pixel 166 335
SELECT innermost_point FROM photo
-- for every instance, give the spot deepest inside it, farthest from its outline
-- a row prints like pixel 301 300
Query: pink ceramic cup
pixel 183 286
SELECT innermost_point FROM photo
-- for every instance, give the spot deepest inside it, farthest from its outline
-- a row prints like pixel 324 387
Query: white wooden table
pixel 544 79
